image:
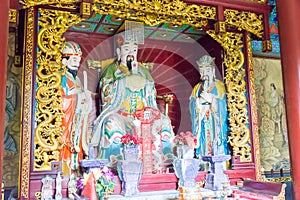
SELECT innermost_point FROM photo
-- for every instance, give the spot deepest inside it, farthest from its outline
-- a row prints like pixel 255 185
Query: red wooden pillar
pixel 289 35
pixel 4 12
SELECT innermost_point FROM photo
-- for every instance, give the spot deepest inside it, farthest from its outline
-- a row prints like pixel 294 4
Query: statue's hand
pixel 87 96
pixel 206 97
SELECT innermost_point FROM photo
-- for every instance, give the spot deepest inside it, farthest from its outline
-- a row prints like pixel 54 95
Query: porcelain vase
pixel 130 152
pixel 130 170
pixel 186 171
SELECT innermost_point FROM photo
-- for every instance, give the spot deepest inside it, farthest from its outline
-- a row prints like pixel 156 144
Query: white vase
pixel 185 152
pixel 130 152
pixel 186 171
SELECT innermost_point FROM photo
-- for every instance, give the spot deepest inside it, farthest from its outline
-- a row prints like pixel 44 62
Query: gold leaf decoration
pixel 248 21
pixel 47 138
pixel 27 109
pixel 57 3
pixel 158 11
pixel 239 137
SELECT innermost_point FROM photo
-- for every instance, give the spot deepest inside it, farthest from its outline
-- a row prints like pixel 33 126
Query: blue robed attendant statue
pixel 208 108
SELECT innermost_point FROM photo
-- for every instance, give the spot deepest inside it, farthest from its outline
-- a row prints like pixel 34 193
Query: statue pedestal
pixel 130 173
pixel 186 171
pixel 215 179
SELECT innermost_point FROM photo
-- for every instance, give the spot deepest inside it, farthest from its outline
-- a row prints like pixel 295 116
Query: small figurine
pixel 47 189
pixel 58 194
pixel 72 187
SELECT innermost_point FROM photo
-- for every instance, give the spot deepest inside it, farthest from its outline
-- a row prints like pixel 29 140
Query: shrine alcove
pixel 172 47
pixel 173 51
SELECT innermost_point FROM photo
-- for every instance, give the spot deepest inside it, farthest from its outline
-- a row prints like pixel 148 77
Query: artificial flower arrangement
pixel 130 140
pixel 186 138
pixel 98 182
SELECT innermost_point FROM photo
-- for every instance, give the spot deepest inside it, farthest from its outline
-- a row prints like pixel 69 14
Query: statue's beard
pixel 129 60
pixel 205 82
pixel 205 79
pixel 73 72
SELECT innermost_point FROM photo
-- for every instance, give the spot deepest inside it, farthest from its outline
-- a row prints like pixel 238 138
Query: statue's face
pixel 73 62
pixel 206 73
pixel 128 53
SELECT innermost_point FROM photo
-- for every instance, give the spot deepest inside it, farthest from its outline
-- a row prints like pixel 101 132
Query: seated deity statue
pixel 126 86
pixel 208 109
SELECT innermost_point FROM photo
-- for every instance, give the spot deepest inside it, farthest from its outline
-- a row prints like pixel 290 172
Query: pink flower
pixel 186 138
pixel 104 180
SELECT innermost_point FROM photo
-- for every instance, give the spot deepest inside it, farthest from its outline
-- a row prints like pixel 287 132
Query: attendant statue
pixel 77 105
pixel 125 87
pixel 208 110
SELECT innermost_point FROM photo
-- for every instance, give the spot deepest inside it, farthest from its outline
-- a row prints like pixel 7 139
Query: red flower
pixel 130 140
